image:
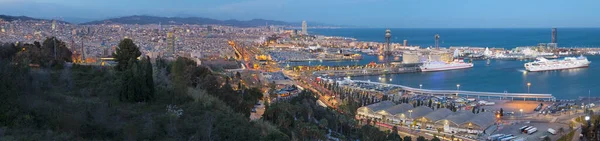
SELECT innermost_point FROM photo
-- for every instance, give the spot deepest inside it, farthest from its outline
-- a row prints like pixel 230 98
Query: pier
pixel 402 68
pixel 489 95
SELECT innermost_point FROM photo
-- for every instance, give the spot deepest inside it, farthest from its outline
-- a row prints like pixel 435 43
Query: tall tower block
pixel 554 35
pixel 437 40
pixel 171 43
pixel 304 28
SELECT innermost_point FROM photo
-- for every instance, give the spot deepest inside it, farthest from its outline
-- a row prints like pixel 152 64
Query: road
pixel 577 132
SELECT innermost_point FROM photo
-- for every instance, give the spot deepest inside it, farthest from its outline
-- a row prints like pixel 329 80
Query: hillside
pixel 23 18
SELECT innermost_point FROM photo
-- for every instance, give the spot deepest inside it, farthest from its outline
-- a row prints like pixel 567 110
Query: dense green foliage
pixel 7 51
pixel 591 129
pixel 126 51
pixel 82 103
pixel 137 82
pixel 567 137
pixel 52 52
pixel 167 100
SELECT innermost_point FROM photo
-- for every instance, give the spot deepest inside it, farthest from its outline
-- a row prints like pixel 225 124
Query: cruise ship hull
pixel 557 68
pixel 548 65
pixel 426 69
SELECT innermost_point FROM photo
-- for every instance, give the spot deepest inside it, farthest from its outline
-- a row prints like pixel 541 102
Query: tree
pixel 407 138
pixel 421 138
pixel 429 104
pixel 126 51
pixel 323 123
pixel 238 75
pixel 547 139
pixel 147 79
pixel 137 81
pixel 7 51
pixel 561 130
pixel 435 139
pixel 277 136
pixel 393 136
pixel 178 77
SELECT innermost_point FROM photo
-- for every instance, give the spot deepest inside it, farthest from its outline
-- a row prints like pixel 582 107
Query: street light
pixel 528 86
pixel 521 110
pixel 587 118
pixel 421 88
pixel 457 89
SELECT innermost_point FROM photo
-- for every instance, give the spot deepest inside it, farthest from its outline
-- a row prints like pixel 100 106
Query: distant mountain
pixel 23 18
pixel 141 19
pixel 14 18
pixel 77 20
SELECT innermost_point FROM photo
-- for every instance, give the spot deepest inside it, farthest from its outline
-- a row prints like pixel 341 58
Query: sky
pixel 362 13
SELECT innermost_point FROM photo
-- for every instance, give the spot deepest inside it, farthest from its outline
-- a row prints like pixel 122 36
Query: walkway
pixel 465 93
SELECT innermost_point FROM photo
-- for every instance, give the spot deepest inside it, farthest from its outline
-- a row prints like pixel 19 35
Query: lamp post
pixel 410 114
pixel 587 119
pixel 521 110
pixel 457 89
pixel 528 86
pixel 421 88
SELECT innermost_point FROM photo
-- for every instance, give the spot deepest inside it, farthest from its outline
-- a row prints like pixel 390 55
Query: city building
pixel 171 43
pixel 304 28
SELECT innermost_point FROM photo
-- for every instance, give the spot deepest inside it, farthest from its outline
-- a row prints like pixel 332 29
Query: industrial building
pixel 388 112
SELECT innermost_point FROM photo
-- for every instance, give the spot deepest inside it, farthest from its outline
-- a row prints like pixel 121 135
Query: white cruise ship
pixel 544 64
pixel 442 66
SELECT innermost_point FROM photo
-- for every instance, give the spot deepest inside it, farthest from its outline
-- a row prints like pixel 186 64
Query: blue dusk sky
pixel 362 13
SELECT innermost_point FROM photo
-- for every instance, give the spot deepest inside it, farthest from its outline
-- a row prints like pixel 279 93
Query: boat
pixel 488 61
pixel 544 64
pixel 442 66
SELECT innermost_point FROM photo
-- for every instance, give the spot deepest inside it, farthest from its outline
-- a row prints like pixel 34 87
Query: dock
pixel 403 68
pixel 489 95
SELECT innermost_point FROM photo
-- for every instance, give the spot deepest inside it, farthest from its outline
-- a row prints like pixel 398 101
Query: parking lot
pixel 541 126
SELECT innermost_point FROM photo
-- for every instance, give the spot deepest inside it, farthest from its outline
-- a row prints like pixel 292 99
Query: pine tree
pixel 150 78
pixel 126 51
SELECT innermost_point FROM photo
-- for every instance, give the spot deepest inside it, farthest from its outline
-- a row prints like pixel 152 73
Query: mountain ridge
pixel 145 19
pixel 24 18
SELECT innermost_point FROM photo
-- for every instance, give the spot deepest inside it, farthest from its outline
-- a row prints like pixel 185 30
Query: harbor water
pixel 499 75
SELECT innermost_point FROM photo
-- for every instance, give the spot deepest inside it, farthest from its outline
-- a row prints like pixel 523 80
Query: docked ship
pixel 544 64
pixel 442 66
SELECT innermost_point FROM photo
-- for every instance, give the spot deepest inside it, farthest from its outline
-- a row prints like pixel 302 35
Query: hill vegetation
pixel 43 97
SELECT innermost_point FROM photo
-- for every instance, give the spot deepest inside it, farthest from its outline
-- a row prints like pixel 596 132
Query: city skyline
pixel 368 13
